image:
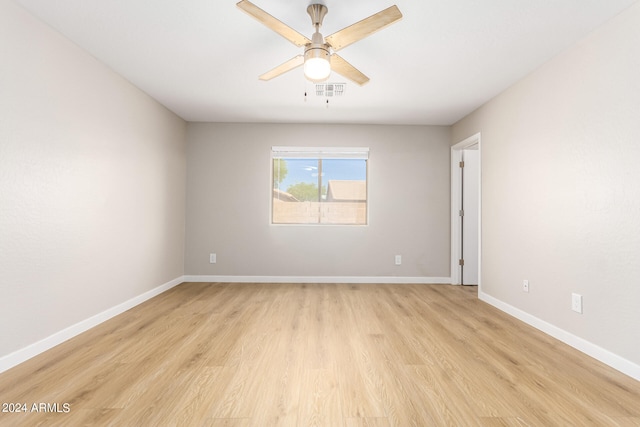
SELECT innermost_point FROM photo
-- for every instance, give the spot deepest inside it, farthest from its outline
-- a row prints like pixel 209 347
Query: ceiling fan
pixel 318 60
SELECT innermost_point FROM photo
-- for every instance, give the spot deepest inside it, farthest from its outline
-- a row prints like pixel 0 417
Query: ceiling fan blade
pixel 274 24
pixel 364 28
pixel 342 67
pixel 294 62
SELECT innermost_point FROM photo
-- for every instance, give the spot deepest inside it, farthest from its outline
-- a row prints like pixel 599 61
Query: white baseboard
pixel 605 356
pixel 19 356
pixel 317 279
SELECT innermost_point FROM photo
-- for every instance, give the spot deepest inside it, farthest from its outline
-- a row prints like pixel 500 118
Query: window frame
pixel 284 152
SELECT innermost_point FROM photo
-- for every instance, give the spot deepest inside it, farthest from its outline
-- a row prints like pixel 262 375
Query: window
pixel 319 185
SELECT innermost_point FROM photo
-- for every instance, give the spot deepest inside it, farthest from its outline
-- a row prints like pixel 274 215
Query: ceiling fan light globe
pixel 317 69
pixel 317 65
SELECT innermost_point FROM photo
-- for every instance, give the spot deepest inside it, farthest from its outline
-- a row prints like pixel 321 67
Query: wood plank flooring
pixel 318 355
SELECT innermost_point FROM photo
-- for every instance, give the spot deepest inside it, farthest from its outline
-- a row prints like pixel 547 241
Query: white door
pixel 470 203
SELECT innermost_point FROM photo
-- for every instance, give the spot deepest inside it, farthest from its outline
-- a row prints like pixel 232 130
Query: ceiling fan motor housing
pixel 317 52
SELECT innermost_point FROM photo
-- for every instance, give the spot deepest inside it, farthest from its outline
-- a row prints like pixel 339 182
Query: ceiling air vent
pixel 330 89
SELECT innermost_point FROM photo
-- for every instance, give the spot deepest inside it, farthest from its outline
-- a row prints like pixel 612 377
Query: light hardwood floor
pixel 318 355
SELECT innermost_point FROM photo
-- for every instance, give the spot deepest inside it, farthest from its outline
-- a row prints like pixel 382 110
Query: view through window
pixel 319 185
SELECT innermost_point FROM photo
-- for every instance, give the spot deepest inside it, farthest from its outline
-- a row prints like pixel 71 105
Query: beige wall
pixel 561 189
pixel 228 200
pixel 92 185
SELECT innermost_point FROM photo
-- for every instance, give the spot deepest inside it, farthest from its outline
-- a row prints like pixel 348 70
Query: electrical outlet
pixel 525 286
pixel 576 303
pixel 398 259
pixel 212 258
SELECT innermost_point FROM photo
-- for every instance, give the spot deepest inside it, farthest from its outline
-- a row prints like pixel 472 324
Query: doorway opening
pixel 466 244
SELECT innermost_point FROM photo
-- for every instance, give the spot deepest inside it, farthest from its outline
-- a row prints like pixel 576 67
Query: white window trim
pixel 279 152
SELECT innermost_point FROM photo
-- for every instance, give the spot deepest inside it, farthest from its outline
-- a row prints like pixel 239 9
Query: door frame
pixel 456 196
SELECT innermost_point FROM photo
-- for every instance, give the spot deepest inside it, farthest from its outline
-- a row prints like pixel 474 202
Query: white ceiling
pixel 202 58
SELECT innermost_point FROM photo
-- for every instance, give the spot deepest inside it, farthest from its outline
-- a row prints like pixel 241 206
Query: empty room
pixel 319 213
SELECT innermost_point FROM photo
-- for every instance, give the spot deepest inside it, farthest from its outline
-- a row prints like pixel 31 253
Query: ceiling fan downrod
pixel 317 57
